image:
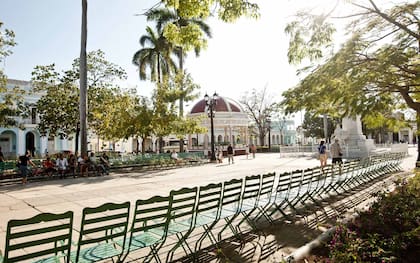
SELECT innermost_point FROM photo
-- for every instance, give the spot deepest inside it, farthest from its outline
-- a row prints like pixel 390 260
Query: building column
pixel 20 142
pixel 43 142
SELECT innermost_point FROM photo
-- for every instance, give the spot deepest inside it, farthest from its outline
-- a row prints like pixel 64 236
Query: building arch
pixel 8 142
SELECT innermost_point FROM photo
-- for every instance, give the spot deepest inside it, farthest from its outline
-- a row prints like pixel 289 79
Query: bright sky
pixel 241 56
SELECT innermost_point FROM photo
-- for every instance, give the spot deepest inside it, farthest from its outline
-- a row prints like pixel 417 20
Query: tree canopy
pixel 58 107
pixel 11 102
pixel 373 73
pixel 190 35
pixel 259 107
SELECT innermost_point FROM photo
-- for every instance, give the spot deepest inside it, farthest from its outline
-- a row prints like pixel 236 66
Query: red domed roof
pixel 223 105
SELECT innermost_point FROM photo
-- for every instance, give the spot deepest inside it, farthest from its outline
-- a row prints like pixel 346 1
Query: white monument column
pixel 352 136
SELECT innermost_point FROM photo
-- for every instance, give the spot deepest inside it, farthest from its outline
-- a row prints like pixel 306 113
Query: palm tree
pixel 83 81
pixel 164 16
pixel 156 55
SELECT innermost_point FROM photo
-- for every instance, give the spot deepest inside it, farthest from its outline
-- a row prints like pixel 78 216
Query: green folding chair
pixel 149 227
pixel 43 238
pixel 100 228
pixel 207 212
pixel 316 185
pixel 249 201
pixel 280 197
pixel 295 187
pixel 230 207
pixel 305 188
pixel 181 220
pixel 266 197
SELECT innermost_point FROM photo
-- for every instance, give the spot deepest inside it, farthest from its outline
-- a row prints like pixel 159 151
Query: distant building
pixel 15 141
pixel 230 125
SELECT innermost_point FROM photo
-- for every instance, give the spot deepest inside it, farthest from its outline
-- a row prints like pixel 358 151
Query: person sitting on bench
pixel 174 156
pixel 48 167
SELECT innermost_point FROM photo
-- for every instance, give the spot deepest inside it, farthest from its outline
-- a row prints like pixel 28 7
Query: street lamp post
pixel 269 133
pixel 282 124
pixel 211 104
pixel 76 148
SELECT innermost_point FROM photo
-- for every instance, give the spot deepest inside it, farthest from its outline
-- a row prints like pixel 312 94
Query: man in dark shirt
pixel 24 160
pixel 230 153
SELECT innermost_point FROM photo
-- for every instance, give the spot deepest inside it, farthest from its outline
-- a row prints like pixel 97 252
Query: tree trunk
pixel 181 99
pixel 262 138
pixel 418 139
pixel 160 144
pixel 143 145
pixel 83 82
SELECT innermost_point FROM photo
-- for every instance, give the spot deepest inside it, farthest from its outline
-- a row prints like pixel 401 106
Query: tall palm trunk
pixel 181 98
pixel 83 81
pixel 158 69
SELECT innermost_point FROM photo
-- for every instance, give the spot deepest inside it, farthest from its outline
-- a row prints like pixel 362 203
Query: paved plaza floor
pixel 57 196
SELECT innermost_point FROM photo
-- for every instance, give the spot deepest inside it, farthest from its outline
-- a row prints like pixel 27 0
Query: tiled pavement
pixel 18 202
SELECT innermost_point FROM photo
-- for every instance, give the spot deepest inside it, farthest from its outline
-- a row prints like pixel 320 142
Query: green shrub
pixel 388 232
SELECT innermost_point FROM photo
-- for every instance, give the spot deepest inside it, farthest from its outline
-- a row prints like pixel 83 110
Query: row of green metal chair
pixel 238 205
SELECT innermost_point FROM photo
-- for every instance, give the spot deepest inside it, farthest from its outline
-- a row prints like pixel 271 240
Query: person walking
pixel 219 155
pixel 336 154
pixel 230 154
pixel 253 150
pixel 322 150
pixel 24 160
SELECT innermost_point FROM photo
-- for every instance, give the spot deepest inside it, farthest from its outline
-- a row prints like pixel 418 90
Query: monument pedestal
pixel 352 140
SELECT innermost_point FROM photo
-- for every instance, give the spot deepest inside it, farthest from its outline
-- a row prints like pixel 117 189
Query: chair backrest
pixel 306 180
pixel 232 191
pixel 252 189
pixel 317 179
pixel 283 185
pixel 103 224
pixel 152 213
pixel 296 179
pixel 267 184
pixel 209 199
pixel 183 202
pixel 43 236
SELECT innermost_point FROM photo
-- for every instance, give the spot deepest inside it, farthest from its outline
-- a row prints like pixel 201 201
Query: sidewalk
pixel 19 202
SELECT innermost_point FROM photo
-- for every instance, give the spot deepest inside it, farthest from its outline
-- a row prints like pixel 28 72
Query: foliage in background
pixel 260 107
pixel 313 125
pixel 154 59
pixel 11 102
pixel 374 73
pixel 189 35
pixel 59 104
pixel 388 232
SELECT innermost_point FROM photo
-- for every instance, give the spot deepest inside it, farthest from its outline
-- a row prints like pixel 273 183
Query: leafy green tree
pixel 11 103
pixel 190 36
pixel 164 111
pixel 259 107
pixel 374 73
pixel 313 125
pixel 58 108
pixel 155 56
pixel 166 19
pixel 166 120
pixel 138 121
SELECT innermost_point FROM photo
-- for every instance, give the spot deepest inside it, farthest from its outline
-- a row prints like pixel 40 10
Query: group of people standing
pixel 63 165
pixel 335 151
